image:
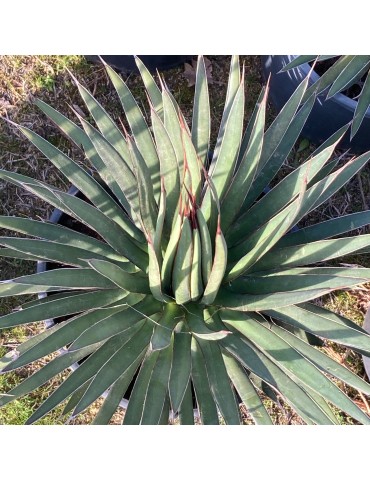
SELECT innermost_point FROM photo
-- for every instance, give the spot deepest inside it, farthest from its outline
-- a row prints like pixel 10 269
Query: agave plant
pixel 196 294
pixel 346 71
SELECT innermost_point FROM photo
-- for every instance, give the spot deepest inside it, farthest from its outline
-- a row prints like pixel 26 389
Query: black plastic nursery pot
pixel 327 116
pixel 126 63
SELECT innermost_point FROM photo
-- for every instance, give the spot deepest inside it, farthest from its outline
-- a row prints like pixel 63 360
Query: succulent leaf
pixel 342 74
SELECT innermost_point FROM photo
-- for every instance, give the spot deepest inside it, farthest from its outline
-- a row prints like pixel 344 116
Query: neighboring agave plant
pixel 196 289
pixel 346 71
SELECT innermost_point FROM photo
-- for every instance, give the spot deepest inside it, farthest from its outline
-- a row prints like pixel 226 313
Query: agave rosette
pixel 196 289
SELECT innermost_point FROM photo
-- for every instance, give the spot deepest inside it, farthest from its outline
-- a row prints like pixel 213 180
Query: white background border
pixel 169 27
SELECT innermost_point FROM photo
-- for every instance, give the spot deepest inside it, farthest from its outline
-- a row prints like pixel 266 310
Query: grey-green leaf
pixel 117 276
pixel 126 357
pixel 295 363
pixel 78 377
pixel 62 307
pixel 54 280
pixel 135 406
pixel 246 391
pixel 206 404
pixel 350 73
pixel 157 392
pixel 122 321
pixel 163 331
pixel 115 395
pixel 325 324
pixel 322 361
pixel 151 87
pixel 298 255
pixel 50 370
pixel 139 128
pixel 201 124
pixel 220 383
pixel 180 370
pixel 362 106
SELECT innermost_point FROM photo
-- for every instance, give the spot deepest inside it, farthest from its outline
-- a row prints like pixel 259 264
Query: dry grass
pixel 22 78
